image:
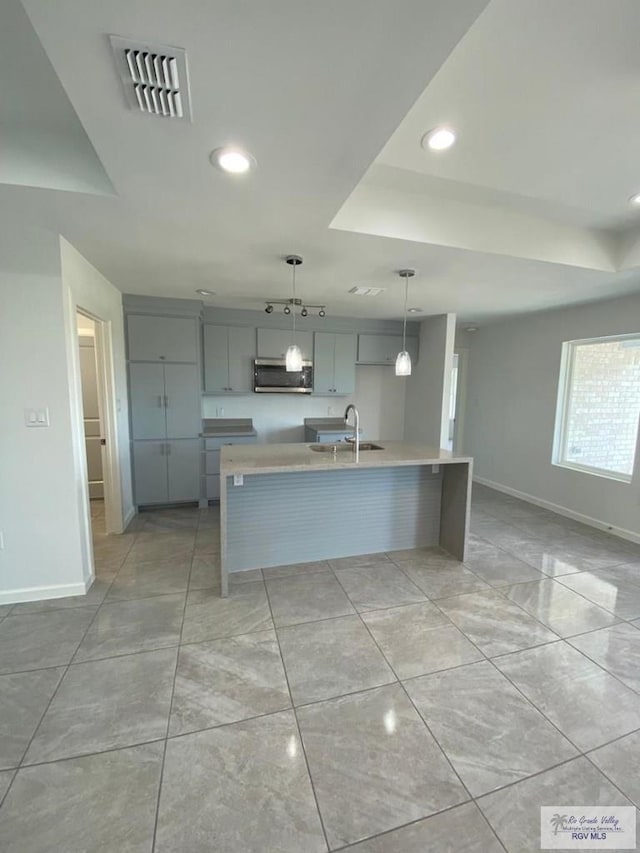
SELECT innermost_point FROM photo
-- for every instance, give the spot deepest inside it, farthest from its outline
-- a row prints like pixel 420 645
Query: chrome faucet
pixel 356 429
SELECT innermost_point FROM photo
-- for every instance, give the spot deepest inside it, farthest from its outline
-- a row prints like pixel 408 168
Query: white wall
pixel 379 396
pixel 429 386
pixel 90 291
pixel 511 407
pixel 39 519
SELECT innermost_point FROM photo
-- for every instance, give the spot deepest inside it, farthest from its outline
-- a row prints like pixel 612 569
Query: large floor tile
pixel 616 589
pixel 497 567
pixel 620 762
pixel 616 649
pixel 242 787
pixel 560 609
pixel 208 617
pixel 494 624
pixel 514 812
pixel 451 578
pixel 555 560
pixel 205 572
pixel 223 681
pixel 296 569
pixel 124 627
pixel 153 547
pixel 106 704
pixel 99 802
pixel 24 697
pixel 374 764
pixel 462 829
pixel 587 704
pixel 490 733
pixel 379 586
pixel 6 777
pixel 306 598
pixel 417 639
pixel 93 598
pixel 330 658
pixel 141 580
pixel 40 640
pixel 170 520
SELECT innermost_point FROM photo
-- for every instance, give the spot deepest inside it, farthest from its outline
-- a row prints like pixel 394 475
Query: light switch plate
pixel 36 417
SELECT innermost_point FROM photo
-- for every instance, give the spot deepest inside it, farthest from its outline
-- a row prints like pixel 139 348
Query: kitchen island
pixel 288 503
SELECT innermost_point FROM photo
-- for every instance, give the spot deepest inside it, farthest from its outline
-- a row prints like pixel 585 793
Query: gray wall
pixel 511 407
pixel 429 386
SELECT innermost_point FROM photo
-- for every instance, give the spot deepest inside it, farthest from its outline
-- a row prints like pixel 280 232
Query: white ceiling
pixel 523 213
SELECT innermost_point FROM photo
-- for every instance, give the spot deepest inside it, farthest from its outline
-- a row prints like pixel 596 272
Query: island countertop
pixel 284 458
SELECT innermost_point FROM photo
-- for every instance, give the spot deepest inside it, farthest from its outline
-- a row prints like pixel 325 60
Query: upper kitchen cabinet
pixel 228 359
pixel 273 343
pixel 158 338
pixel 384 349
pixel 334 363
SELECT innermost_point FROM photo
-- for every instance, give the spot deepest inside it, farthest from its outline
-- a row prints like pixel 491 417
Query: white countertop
pixel 283 458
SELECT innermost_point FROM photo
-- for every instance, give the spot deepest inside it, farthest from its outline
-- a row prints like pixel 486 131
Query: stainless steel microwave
pixel 270 376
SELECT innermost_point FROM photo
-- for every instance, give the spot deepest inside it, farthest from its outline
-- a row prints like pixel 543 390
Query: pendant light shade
pixel 403 364
pixel 293 358
pixel 403 360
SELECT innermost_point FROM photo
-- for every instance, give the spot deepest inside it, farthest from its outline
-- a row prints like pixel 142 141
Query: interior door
pixel 182 400
pixel 150 472
pixel 146 382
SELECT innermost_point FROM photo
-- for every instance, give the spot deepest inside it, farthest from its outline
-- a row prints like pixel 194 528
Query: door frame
pixel 461 398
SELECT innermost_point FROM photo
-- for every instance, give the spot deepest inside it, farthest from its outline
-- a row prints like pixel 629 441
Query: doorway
pixel 457 400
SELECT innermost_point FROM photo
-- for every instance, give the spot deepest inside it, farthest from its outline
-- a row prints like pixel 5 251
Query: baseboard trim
pixel 38 593
pixel 620 532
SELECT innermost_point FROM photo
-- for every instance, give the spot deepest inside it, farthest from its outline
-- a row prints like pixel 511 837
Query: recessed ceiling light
pixel 206 292
pixel 635 200
pixel 232 159
pixel 414 310
pixel 439 139
pixel 471 329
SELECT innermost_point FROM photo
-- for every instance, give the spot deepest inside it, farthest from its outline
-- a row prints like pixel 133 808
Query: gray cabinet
pixel 166 471
pixel 212 461
pixel 165 400
pixel 334 363
pixel 157 338
pixel 273 343
pixel 228 359
pixel 383 349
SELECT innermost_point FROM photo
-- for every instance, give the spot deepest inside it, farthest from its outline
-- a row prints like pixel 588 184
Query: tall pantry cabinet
pixel 164 390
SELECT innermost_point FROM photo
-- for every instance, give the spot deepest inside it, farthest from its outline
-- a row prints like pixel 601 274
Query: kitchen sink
pixel 343 447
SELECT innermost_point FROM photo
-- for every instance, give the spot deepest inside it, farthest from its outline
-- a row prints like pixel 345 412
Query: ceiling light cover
pixel 439 139
pixel 234 160
pixel 293 358
pixel 154 77
pixel 403 360
pixel 403 364
pixel 635 200
pixel 203 292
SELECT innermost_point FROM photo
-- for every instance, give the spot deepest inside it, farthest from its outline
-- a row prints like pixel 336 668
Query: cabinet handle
pixel 162 450
pixel 166 401
pixel 159 401
pixel 168 450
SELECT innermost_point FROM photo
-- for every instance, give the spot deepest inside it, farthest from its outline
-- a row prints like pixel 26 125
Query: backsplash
pixel 379 396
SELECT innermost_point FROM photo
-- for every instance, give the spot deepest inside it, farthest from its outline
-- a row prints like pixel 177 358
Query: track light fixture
pixel 322 313
pixel 304 312
pixel 287 310
pixel 269 309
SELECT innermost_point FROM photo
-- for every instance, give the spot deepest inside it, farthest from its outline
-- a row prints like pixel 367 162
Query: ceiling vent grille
pixel 154 77
pixel 361 290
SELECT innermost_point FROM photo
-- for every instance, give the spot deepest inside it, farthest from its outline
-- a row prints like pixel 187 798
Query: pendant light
pixel 293 358
pixel 403 361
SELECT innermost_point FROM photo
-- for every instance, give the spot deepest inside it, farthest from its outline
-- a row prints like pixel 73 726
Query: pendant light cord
pixel 404 318
pixel 293 307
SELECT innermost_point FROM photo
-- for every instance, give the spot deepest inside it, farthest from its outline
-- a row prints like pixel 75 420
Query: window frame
pixel 567 363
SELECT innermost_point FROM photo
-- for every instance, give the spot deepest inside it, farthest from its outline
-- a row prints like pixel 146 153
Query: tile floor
pixel 394 703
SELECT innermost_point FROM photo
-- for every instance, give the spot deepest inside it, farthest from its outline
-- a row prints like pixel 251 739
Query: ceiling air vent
pixel 154 77
pixel 361 290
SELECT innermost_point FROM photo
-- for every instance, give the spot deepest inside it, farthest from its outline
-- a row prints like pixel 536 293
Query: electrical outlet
pixel 220 412
pixel 238 479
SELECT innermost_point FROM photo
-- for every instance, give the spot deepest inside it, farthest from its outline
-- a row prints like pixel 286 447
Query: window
pixel 599 406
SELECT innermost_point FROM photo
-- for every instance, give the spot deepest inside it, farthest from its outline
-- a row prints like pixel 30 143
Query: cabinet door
pixel 184 464
pixel 323 363
pixel 146 387
pixel 273 343
pixel 344 371
pixel 216 359
pixel 150 472
pixel 242 351
pixel 182 400
pixel 153 338
pixel 378 349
